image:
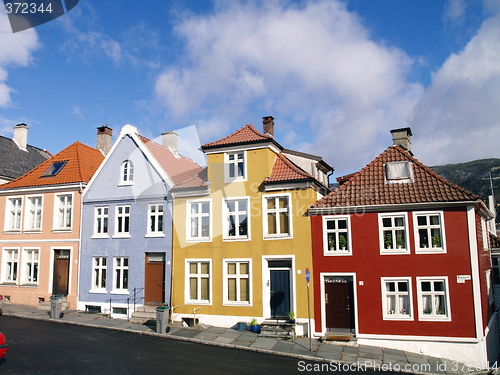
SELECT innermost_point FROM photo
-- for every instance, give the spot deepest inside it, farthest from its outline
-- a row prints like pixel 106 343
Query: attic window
pixel 54 169
pixel 398 171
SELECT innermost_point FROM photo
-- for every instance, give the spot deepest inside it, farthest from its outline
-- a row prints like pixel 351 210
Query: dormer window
pixel 54 169
pixel 127 173
pixel 398 171
pixel 235 166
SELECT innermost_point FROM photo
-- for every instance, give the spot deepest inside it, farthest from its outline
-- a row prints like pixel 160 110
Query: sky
pixel 336 75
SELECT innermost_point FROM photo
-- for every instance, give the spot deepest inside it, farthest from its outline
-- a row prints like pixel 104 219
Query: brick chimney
pixel 104 139
pixel 21 136
pixel 169 140
pixel 268 123
pixel 402 138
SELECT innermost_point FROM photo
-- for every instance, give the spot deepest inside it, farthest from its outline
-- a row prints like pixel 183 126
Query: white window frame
pixel 228 163
pixel 396 315
pixel 154 232
pixel 327 251
pixel 277 210
pixel 199 276
pixel 14 214
pixel 32 213
pixel 431 249
pixel 420 294
pixel 120 229
pixel 126 173
pixel 238 277
pixel 118 275
pixel 29 263
pixel 237 213
pixel 97 269
pixel 101 217
pixel 199 218
pixel 8 259
pixel 395 179
pixel 62 208
pixel 393 229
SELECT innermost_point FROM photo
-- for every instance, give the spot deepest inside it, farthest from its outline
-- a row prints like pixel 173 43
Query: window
pixel 237 282
pixel 336 240
pixel 34 213
pixel 429 233
pixel 198 281
pixel 127 173
pixel 101 221
pixel 495 270
pixel 30 260
pixel 123 220
pixel 236 219
pixel 199 220
pixel 398 171
pixel 393 233
pixel 277 216
pixel 11 257
pixel 99 272
pixel 64 211
pixel 54 169
pixel 14 214
pixel 396 294
pixel 433 298
pixel 155 213
pixel 121 274
pixel 235 166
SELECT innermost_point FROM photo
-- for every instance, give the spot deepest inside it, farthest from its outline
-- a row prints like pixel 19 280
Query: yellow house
pixel 242 239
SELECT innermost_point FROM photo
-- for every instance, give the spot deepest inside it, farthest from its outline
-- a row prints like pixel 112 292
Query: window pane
pixel 205 295
pixel 231 268
pixel 284 225
pixel 231 170
pixel 391 304
pixel 440 305
pixel 283 202
pixel 243 268
pixel 439 286
pixel 194 208
pixel 342 224
pixel 387 222
pixel 422 220
pixel 193 268
pixel 434 219
pixel 402 286
pixel 271 223
pixel 205 208
pixel 426 286
pixel 391 287
pixel 231 206
pixel 424 239
pixel 399 222
pixel 427 304
pixel 271 204
pixel 193 287
pixel 231 289
pixel 242 205
pixel 330 224
pixel 205 226
pixel 204 269
pixel 245 290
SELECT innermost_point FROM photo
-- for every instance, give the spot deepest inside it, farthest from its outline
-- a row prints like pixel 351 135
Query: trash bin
pixel 162 319
pixel 56 306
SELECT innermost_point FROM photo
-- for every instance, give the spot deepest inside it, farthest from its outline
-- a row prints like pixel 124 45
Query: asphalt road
pixel 39 347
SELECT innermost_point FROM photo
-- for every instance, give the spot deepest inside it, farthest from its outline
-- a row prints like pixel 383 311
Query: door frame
pixel 146 262
pixel 323 276
pixel 53 250
pixel 266 283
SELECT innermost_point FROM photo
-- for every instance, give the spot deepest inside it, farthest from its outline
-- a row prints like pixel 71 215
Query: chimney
pixel 169 140
pixel 21 135
pixel 268 123
pixel 402 138
pixel 104 139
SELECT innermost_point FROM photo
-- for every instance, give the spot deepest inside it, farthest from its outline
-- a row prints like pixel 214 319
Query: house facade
pixel 401 260
pixel 40 221
pixel 241 241
pixel 127 224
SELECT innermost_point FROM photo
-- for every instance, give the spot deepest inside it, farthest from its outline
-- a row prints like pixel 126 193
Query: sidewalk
pixel 340 356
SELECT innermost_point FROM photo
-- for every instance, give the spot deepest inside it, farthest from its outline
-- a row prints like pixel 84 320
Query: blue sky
pixel 335 75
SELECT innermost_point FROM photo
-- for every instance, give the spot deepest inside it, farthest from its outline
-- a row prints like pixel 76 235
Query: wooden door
pixel 61 272
pixel 339 305
pixel 154 279
pixel 280 292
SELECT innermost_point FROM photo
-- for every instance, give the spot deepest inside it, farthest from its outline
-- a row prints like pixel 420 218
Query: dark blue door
pixel 280 293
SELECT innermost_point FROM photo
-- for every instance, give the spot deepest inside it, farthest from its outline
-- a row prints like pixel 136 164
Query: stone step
pixel 277 329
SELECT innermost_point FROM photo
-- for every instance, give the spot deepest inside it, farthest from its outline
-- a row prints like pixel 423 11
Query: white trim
pixel 392 215
pixel 3 280
pixel 114 289
pixel 419 338
pixel 8 206
pixel 102 234
pixel 225 227
pixel 438 318
pixel 22 269
pixel 124 215
pixel 189 238
pixel 55 221
pixel 266 283
pixel 44 189
pixel 150 233
pixel 225 299
pixel 398 317
pixel 187 291
pixel 267 236
pixel 227 164
pixel 431 249
pixel 327 252
pixel 27 215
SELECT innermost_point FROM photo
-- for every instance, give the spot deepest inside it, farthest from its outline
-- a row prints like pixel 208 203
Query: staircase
pixel 45 305
pixel 144 314
pixel 277 329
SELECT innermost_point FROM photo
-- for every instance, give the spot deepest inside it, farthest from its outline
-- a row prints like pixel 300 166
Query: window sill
pixel 434 318
pixel 336 253
pixel 235 239
pixel 100 236
pixel 399 318
pixel 9 283
pixel 196 240
pixel 430 250
pixel 127 183
pixel 121 236
pixel 237 304
pixel 33 231
pixel 98 291
pixel 278 237
pixel 153 235
pixel 29 285
pixel 205 303
pixel 124 291
pixel 64 230
pixel 394 251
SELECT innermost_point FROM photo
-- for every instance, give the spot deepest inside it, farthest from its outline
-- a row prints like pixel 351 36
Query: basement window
pixel 398 171
pixel 54 169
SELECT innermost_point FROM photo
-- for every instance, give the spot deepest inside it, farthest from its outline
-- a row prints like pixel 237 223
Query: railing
pixel 134 300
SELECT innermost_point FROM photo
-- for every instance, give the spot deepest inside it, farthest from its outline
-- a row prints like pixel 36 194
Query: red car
pixel 3 346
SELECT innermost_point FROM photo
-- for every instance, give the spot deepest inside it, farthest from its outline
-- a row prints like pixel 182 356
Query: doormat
pixel 337 338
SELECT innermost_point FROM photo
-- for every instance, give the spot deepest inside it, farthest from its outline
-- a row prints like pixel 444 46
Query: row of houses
pixel 398 256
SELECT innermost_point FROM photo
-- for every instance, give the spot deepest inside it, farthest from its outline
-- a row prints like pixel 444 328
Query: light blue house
pixel 126 238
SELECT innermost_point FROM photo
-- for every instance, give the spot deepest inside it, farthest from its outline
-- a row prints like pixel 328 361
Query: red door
pixel 154 279
pixel 339 306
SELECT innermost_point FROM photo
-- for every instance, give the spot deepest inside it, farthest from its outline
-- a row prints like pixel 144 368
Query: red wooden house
pixel 401 259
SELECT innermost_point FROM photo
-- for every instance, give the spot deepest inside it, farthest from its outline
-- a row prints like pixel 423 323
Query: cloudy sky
pixel 337 76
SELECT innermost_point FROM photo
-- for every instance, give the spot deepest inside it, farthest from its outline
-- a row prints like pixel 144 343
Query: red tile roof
pixel 285 170
pixel 178 167
pixel 82 163
pixel 369 186
pixel 198 180
pixel 246 134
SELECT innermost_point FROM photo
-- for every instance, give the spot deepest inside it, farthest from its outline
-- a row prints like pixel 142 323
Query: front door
pixel 154 279
pixel 339 305
pixel 61 272
pixel 280 288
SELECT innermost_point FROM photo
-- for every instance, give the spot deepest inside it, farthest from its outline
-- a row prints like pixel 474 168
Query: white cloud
pixel 455 11
pixel 332 90
pixel 16 50
pixel 458 119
